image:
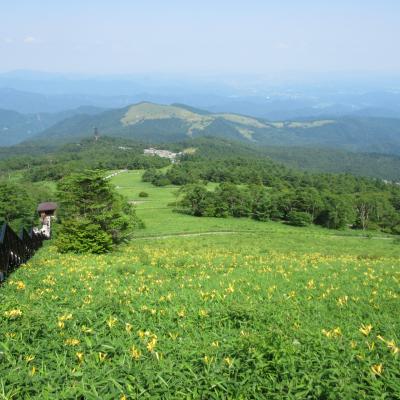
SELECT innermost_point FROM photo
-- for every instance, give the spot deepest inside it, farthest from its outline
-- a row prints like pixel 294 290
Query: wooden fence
pixel 17 249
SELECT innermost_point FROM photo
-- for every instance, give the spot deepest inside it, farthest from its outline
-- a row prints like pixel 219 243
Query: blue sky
pixel 200 37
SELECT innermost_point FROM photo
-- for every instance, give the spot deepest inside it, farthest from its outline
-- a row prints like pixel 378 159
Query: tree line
pixel 104 154
pixel 264 190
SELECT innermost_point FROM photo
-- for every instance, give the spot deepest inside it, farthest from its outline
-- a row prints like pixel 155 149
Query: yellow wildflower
pixel 336 332
pixel 13 314
pixel 29 358
pixel 342 301
pixel 135 353
pixel 365 329
pixel 208 360
pixel 228 361
pixel 230 289
pixel 311 284
pixel 72 342
pixel 79 356
pixel 392 346
pixel 86 329
pixel 152 344
pixel 111 322
pixel 377 369
pixel 65 317
pixel 203 313
pixel 20 285
pixel 291 294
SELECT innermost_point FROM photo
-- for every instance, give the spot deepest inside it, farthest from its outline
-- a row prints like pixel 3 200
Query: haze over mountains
pixel 33 92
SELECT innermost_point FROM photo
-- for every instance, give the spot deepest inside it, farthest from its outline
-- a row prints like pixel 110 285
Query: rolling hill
pixel 168 123
pixel 16 127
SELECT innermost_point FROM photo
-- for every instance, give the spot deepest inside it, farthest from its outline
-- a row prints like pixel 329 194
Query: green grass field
pixel 204 308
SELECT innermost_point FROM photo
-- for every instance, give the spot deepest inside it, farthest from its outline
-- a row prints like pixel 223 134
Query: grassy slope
pixel 161 220
pixel 272 313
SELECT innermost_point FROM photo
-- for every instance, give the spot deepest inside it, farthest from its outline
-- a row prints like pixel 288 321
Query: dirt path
pixel 207 233
pixel 116 173
pixel 170 235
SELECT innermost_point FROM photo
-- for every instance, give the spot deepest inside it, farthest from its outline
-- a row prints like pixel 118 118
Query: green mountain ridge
pixel 152 122
pixel 16 127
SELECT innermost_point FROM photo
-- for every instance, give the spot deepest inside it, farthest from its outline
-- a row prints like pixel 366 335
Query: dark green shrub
pixel 149 175
pixel 143 194
pixel 161 180
pixel 396 229
pixel 299 218
pixel 83 236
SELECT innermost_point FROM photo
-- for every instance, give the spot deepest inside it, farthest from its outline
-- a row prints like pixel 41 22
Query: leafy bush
pixel 143 194
pixel 197 201
pixel 299 218
pixel 83 236
pixel 396 229
pixel 161 180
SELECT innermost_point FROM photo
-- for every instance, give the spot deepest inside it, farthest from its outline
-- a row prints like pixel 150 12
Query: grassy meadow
pixel 205 308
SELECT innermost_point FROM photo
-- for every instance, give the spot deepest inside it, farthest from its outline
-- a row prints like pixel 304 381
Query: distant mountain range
pixel 41 92
pixel 168 123
pixel 16 127
pixel 34 103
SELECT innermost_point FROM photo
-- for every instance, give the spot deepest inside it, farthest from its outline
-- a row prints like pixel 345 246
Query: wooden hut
pixel 47 209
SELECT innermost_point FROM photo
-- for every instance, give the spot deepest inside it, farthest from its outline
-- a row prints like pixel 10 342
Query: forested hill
pixel 161 123
pixel 121 152
pixel 42 162
pixel 375 165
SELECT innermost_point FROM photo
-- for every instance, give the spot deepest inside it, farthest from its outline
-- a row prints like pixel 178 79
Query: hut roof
pixel 47 206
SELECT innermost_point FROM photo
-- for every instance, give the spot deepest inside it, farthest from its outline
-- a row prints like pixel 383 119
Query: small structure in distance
pixel 96 134
pixel 47 212
pixel 162 153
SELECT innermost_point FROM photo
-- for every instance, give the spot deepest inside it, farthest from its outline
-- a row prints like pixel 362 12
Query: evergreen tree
pixel 94 217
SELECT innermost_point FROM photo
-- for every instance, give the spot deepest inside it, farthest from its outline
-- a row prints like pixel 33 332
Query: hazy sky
pixel 200 37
